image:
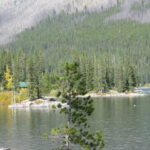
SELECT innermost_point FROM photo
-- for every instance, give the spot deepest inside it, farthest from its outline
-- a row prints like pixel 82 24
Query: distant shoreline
pixel 41 103
pixel 97 95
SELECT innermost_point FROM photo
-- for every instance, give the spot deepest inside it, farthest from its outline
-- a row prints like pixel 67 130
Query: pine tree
pixel 76 130
pixel 35 75
pixel 133 79
pixel 31 78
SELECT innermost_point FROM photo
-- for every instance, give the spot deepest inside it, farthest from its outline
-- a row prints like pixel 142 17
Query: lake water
pixel 125 123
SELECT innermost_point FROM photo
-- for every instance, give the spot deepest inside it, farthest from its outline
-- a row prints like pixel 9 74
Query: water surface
pixel 125 123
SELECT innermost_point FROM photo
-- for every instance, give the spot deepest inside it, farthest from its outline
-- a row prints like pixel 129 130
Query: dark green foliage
pixel 77 129
pixel 25 68
pixel 104 50
pixel 58 36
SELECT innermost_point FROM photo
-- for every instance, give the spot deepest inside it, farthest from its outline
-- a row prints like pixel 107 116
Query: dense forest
pixel 112 54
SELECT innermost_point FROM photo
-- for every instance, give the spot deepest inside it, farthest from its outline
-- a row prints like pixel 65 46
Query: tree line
pixel 100 74
pixel 60 35
pixel 112 55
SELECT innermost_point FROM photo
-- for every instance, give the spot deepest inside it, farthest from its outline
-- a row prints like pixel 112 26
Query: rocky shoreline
pixel 113 94
pixel 45 102
pixel 53 102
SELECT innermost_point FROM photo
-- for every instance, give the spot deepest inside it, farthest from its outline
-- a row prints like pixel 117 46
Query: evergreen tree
pixel 79 109
pixel 31 78
pixel 133 78
pixel 36 71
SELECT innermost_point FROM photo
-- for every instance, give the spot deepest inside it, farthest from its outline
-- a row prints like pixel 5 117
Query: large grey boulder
pixel 5 149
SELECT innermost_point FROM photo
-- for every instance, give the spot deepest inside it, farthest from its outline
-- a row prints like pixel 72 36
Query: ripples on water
pixel 124 121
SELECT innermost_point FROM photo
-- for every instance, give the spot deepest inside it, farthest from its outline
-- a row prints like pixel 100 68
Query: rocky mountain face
pixel 138 10
pixel 17 15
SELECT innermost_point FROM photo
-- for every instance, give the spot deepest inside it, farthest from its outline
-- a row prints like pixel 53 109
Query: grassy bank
pixel 7 96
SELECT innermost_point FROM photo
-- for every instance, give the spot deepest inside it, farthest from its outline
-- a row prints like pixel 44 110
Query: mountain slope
pixel 138 10
pixel 17 15
pixel 89 33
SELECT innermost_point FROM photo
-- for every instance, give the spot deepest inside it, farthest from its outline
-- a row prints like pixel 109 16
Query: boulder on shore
pixel 44 102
